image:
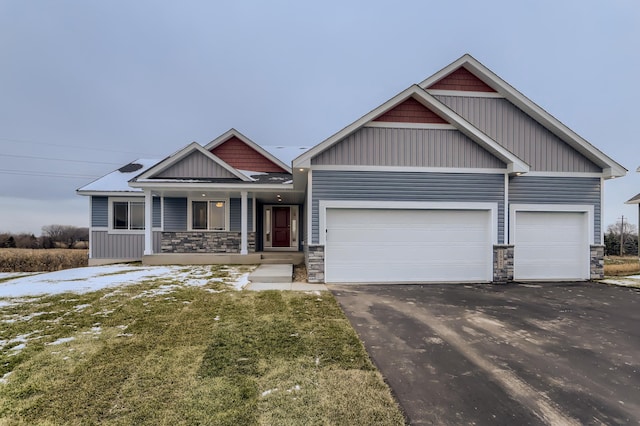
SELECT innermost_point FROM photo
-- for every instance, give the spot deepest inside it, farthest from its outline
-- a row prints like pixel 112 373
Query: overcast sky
pixel 87 86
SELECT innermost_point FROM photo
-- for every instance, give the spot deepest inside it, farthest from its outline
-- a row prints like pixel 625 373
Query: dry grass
pixel 620 266
pixel 29 260
pixel 198 355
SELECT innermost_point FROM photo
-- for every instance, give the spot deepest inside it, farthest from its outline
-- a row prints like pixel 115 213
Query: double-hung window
pixel 209 215
pixel 128 215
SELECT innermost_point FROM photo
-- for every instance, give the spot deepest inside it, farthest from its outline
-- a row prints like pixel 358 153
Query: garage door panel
pixel 365 245
pixel 551 246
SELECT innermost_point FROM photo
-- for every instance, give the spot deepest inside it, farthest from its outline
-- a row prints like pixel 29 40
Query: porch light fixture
pixel 204 195
pixel 219 204
pixel 302 170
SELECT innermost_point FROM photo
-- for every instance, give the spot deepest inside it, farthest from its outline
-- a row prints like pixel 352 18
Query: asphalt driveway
pixel 566 353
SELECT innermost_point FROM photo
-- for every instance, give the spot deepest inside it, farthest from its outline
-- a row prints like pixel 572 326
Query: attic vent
pixel 131 167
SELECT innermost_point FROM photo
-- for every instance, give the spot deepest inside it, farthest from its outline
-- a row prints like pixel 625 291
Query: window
pixel 128 215
pixel 208 215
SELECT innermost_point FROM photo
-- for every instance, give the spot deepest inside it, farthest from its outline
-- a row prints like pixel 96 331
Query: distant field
pixel 617 265
pixel 29 260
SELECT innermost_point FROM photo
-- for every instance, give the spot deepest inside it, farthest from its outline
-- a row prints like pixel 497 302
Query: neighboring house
pixel 460 178
pixel 636 200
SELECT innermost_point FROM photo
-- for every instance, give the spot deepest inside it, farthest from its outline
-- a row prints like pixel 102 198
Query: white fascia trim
pixel 187 186
pixel 464 94
pixel 404 205
pixel 233 132
pixel 569 208
pixel 505 238
pixel 132 193
pixel 309 209
pixel 565 174
pixel 407 169
pixel 400 125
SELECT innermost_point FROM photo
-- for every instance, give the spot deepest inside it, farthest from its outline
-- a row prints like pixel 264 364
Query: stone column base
pixel 314 259
pixel 597 262
pixel 502 263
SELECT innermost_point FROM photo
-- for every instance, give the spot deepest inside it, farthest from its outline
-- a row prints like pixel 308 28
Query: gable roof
pixel 514 164
pixel 233 133
pixel 610 167
pixel 178 156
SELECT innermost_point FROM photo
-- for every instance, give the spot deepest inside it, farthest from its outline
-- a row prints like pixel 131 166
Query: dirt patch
pixel 300 273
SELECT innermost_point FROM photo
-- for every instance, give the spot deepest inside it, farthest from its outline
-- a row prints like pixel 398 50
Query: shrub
pixel 28 260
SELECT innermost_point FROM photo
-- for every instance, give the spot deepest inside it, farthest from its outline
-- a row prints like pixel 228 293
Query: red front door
pixel 281 226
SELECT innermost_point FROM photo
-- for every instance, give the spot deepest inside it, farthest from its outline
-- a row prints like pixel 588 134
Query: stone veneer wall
pixel 314 259
pixel 597 262
pixel 205 242
pixel 502 263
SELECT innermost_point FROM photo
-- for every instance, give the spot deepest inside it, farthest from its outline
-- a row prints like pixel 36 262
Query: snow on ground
pixel 631 281
pixel 93 278
pixel 5 275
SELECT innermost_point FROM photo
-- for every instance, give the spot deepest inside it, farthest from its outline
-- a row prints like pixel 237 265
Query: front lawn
pixel 160 352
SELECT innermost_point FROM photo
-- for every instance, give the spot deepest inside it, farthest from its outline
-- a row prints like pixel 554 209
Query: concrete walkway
pixel 278 277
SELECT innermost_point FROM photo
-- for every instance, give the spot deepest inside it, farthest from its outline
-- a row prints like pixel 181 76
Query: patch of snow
pixel 4 379
pixel 6 275
pixel 119 181
pixel 241 281
pixel 18 348
pixel 268 392
pixel 631 281
pixel 217 318
pixel 81 308
pixel 296 388
pixel 61 341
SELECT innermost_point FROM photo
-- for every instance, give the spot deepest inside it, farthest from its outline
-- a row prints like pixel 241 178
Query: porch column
pixel 148 222
pixel 243 222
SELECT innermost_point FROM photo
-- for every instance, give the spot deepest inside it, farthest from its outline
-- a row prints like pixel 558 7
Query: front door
pixel 281 226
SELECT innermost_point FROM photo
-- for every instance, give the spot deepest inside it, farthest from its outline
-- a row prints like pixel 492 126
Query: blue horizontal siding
pixel 235 216
pixel 406 186
pixel 157 212
pixel 175 214
pixel 99 212
pixel 558 190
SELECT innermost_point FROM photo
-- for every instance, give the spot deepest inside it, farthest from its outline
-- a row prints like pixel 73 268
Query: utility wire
pixel 45 174
pixel 57 159
pixel 69 146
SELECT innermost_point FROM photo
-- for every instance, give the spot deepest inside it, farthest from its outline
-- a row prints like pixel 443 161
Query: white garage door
pixel 551 246
pixel 387 245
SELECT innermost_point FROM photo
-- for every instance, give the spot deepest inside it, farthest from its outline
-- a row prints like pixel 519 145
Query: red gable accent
pixel 410 111
pixel 241 156
pixel 461 80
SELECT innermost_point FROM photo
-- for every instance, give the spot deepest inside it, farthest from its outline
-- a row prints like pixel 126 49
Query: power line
pixel 45 174
pixel 69 146
pixel 57 159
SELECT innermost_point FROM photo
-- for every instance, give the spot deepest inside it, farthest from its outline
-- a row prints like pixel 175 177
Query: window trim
pixel 127 200
pixel 208 200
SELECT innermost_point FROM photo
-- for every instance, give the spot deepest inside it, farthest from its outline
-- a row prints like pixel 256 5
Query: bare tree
pixel 65 234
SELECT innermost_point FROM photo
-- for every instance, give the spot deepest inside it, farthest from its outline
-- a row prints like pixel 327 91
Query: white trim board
pixel 554 208
pixel 400 125
pixel 408 169
pixel 404 205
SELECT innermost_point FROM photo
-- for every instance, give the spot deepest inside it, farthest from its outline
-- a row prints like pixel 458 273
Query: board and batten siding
pixel 375 146
pixel 558 190
pixel 175 214
pixel 196 165
pixel 99 212
pixel 121 246
pixel 519 133
pixel 406 186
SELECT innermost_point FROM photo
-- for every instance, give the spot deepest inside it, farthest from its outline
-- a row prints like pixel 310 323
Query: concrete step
pixel 294 258
pixel 267 273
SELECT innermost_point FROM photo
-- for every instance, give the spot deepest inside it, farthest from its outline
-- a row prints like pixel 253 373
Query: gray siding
pixel 234 214
pixel 121 246
pixel 175 214
pixel 196 165
pixel 99 212
pixel 557 190
pixel 406 186
pixel 520 134
pixel 373 146
pixel 157 213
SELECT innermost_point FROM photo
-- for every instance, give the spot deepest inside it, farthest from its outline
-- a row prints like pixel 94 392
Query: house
pixel 459 178
pixel 636 200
